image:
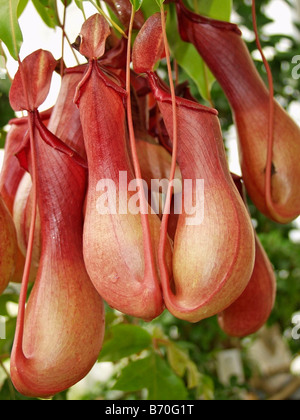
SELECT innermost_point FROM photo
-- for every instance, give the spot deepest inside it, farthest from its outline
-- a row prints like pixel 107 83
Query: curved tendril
pixel 268 184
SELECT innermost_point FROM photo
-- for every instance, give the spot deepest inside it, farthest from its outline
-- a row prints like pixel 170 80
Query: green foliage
pixel 150 360
pixel 137 4
pixel 10 32
pixel 160 3
pixel 79 4
pixel 6 113
pixel 21 7
pixel 124 340
pixel 189 59
pixel 152 373
pixel 216 9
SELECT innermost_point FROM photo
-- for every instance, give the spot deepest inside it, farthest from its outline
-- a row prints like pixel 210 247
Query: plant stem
pixel 64 34
pixel 2 53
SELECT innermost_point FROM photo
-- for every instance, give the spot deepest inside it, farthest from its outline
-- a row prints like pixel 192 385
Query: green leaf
pixel 178 359
pixel 2 138
pixel 188 58
pixel 154 374
pixel 10 32
pixel 21 7
pixel 160 3
pixel 182 364
pixel 124 340
pixel 47 11
pixel 137 4
pixel 186 54
pixel 79 4
pixel 4 299
pixel 215 9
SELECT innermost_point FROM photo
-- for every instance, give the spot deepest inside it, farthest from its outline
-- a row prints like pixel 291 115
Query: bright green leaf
pixel 79 4
pixel 215 9
pixel 193 375
pixel 21 7
pixel 10 32
pixel 183 365
pixel 47 11
pixel 154 374
pixel 66 2
pixel 124 340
